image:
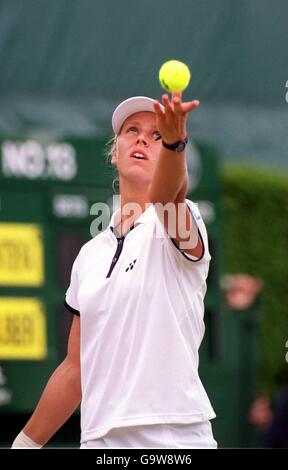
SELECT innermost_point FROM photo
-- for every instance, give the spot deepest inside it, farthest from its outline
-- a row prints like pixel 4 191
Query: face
pixel 137 148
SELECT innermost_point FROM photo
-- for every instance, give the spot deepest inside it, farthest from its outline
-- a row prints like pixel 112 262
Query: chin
pixel 139 177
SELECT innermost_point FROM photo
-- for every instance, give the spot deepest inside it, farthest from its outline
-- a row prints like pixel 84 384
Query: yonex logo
pixel 131 266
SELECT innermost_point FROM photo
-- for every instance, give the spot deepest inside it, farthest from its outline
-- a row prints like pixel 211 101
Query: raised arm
pixel 59 399
pixel 170 179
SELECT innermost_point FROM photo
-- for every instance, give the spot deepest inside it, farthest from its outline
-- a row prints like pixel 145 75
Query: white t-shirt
pixel 141 319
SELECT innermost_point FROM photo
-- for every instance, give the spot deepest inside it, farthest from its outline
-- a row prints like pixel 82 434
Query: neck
pixel 134 201
pixel 134 193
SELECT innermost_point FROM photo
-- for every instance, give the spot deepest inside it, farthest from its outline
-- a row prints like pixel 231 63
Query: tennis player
pixel 137 292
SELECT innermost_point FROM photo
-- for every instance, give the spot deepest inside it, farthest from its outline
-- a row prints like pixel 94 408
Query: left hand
pixel 172 121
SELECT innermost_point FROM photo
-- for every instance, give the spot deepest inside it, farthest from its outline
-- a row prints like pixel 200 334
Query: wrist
pixel 177 146
pixel 22 441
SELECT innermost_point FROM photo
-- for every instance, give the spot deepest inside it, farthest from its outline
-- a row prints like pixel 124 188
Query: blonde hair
pixel 109 151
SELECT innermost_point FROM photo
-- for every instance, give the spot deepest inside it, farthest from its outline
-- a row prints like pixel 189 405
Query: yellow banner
pixel 22 329
pixel 21 255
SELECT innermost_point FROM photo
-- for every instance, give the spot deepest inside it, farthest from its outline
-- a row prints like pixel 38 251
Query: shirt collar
pixel 143 219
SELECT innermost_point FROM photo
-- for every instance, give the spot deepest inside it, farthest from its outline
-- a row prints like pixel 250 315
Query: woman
pixel 137 289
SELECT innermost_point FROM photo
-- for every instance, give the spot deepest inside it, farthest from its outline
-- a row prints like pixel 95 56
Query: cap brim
pixel 129 107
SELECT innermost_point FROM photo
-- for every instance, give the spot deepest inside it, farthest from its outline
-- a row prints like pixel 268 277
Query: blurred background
pixel 65 65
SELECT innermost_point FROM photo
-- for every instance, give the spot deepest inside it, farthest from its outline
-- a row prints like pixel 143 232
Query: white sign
pixel 32 160
pixel 70 205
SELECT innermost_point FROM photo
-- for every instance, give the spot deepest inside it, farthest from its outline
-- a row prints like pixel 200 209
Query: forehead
pixel 142 117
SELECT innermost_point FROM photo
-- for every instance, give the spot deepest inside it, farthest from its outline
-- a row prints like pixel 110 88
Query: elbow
pixel 72 374
pixel 75 381
pixel 164 194
pixel 162 197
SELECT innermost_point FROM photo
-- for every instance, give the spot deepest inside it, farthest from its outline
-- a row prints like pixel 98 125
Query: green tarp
pixel 66 63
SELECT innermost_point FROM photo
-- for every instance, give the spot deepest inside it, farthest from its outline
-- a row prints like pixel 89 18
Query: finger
pixel 187 107
pixel 167 105
pixel 177 105
pixel 158 109
pixel 177 94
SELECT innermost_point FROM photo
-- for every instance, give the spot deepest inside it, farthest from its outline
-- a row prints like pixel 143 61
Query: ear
pixel 114 158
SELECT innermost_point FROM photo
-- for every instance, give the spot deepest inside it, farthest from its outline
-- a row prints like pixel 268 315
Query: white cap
pixel 129 107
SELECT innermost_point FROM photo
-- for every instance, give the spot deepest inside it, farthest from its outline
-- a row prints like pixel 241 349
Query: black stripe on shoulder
pixel 71 309
pixel 199 235
pixel 189 256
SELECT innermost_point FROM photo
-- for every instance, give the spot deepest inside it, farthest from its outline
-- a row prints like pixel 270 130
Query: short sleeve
pixel 195 213
pixel 202 233
pixel 71 297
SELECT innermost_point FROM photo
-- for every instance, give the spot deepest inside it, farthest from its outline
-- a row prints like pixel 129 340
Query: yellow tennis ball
pixel 174 76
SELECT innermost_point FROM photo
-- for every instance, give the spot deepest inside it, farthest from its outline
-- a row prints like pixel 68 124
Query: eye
pixel 132 129
pixel 157 135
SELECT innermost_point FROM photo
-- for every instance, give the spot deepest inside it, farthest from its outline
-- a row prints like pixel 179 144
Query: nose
pixel 142 139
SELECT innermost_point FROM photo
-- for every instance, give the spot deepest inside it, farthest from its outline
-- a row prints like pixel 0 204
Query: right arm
pixel 61 395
